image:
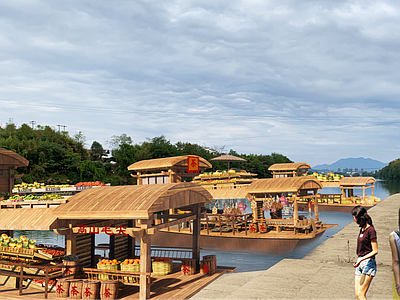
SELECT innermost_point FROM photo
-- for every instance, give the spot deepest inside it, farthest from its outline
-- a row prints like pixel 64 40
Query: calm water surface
pixel 246 262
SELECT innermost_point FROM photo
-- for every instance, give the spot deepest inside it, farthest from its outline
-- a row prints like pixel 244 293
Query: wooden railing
pixel 125 277
pixel 230 222
pixel 17 270
pixel 175 254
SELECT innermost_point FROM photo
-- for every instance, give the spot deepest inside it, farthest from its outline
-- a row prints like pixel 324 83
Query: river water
pixel 246 262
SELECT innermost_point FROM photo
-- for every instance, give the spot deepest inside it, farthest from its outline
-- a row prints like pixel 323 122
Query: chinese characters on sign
pixel 193 164
pixel 106 229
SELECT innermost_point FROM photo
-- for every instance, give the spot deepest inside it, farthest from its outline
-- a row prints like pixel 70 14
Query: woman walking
pixel 367 248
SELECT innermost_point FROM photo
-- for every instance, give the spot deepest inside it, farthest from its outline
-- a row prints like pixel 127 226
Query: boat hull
pixel 256 244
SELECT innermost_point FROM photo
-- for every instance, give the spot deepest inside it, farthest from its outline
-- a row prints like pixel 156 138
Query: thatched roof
pixel 228 193
pixel 289 167
pixel 10 158
pixel 283 185
pixel 131 202
pixel 357 181
pixel 27 219
pixel 166 163
pixel 228 158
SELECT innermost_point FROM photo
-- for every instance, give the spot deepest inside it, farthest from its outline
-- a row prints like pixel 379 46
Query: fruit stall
pixel 126 214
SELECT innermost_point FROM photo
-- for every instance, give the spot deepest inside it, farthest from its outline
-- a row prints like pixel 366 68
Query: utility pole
pixel 32 124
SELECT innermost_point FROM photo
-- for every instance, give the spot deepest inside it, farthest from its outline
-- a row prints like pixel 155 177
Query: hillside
pixel 361 164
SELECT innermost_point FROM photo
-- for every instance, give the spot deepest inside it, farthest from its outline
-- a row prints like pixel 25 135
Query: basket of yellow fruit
pixel 107 264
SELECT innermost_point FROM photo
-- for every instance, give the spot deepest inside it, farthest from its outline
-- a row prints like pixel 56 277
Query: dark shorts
pixel 367 267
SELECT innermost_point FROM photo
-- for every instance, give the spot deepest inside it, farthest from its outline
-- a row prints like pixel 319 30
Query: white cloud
pixel 298 78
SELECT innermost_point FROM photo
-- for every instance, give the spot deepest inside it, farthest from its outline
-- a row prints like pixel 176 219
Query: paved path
pixel 325 273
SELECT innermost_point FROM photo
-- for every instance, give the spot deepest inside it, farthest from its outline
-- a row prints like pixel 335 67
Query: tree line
pixel 56 158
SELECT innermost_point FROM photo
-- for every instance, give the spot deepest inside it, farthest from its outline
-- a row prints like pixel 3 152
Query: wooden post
pixel 363 192
pixel 196 236
pixel 145 261
pixel 93 261
pixel 131 242
pixel 372 190
pixel 295 210
pixel 112 247
pixel 21 279
pixel 316 209
pixel 70 244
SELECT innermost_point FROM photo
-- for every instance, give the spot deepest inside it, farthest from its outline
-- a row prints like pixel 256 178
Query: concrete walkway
pixel 325 273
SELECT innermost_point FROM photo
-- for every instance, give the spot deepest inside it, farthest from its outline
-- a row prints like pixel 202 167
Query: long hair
pixel 362 217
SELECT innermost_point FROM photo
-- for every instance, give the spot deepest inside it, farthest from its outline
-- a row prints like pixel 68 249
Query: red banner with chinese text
pixel 193 164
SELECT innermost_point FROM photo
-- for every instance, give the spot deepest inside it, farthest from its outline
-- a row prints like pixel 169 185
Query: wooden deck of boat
pixel 271 234
pixel 171 286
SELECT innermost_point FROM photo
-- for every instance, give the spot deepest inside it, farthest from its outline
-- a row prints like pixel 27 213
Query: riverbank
pixel 325 273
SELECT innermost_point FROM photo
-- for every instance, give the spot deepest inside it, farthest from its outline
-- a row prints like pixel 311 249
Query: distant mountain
pixel 352 165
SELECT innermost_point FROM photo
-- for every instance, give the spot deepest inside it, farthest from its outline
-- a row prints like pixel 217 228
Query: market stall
pixel 127 213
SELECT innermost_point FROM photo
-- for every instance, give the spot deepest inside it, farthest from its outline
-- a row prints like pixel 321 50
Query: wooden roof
pixel 131 202
pixel 166 163
pixel 283 185
pixel 27 219
pixel 357 181
pixel 229 193
pixel 10 158
pixel 289 167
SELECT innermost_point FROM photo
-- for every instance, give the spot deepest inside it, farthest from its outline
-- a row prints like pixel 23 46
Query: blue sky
pixel 316 81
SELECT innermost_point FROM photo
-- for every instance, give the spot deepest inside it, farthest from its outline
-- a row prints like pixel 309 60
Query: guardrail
pixel 17 270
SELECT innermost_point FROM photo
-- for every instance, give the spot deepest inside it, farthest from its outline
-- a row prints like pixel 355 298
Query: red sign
pixel 106 229
pixel 193 164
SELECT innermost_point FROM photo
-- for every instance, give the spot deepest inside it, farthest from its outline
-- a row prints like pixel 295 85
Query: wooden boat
pixel 232 231
pixel 277 240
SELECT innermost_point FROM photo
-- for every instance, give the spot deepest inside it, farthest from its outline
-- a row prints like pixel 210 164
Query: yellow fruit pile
pixel 109 262
pixel 131 261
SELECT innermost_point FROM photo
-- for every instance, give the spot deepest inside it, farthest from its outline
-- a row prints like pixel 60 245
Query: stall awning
pixel 10 158
pixel 283 185
pixel 166 163
pixel 27 219
pixel 131 202
pixel 229 193
pixel 357 181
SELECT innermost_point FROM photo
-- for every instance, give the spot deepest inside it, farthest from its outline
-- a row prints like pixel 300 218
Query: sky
pixel 316 81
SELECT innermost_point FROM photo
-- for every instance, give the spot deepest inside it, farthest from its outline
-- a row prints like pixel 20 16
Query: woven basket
pixel 130 268
pixel 112 267
pixel 161 268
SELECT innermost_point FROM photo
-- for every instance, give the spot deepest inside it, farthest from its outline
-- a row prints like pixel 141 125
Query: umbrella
pixel 228 158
